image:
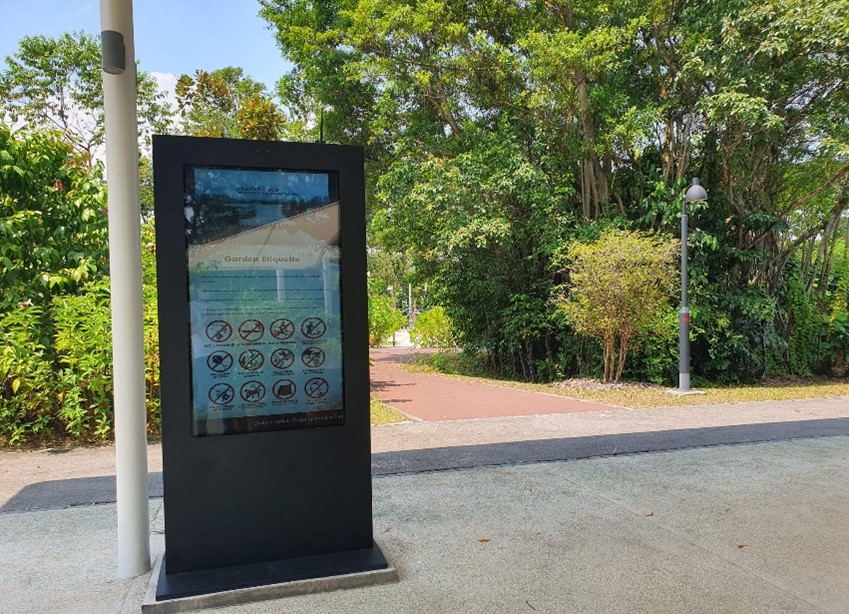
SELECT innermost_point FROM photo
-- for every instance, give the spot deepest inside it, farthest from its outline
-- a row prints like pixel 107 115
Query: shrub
pixel 27 381
pixel 433 328
pixel 84 352
pixel 383 319
pixel 618 285
pixel 56 363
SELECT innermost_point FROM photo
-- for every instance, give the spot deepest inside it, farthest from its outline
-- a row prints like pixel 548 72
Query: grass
pixel 381 413
pixel 639 395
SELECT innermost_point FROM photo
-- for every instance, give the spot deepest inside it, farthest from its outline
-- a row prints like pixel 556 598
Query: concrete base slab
pixel 262 593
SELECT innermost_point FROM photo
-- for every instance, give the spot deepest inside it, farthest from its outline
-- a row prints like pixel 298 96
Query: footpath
pixel 542 504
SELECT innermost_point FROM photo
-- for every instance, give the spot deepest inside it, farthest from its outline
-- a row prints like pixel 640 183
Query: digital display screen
pixel 264 299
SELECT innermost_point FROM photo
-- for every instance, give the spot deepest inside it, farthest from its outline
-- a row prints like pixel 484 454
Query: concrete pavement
pixel 716 508
pixel 67 477
pixel 751 528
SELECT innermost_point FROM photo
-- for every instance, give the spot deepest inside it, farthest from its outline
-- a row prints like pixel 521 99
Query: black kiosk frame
pixel 261 263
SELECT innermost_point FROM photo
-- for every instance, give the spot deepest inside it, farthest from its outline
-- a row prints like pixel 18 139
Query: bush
pixel 27 380
pixel 56 364
pixel 383 319
pixel 619 284
pixel 433 328
pixel 84 352
pixel 655 357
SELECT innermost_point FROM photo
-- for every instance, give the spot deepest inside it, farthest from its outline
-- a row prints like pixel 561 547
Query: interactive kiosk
pixel 261 265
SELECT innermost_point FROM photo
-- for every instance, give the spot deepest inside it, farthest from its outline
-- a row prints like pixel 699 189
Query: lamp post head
pixel 695 192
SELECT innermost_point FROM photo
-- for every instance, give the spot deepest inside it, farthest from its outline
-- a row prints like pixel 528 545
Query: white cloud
pixel 167 83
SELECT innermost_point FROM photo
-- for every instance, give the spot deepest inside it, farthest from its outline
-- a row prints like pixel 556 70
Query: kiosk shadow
pixel 56 494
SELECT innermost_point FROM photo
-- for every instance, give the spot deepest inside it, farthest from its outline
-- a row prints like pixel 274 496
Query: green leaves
pixel 496 132
pixel 383 319
pixel 57 84
pixel 53 229
pixel 226 103
pixel 433 328
pixel 618 286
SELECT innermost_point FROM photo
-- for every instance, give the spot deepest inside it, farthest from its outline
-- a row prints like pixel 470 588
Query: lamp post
pixel 125 274
pixel 695 193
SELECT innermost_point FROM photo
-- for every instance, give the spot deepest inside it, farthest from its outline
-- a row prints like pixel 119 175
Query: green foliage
pixel 801 345
pixel 473 364
pixel 57 84
pixel 151 330
pixel 383 319
pixel 226 103
pixel 838 342
pixel 56 363
pixel 53 229
pixel 497 131
pixel 83 346
pixel 27 379
pixel 655 358
pixel 619 284
pixel 733 333
pixel 483 226
pixel 433 328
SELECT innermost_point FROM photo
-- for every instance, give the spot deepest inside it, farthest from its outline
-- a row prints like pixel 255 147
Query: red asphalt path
pixel 436 397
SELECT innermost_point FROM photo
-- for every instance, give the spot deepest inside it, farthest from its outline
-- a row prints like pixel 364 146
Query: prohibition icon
pixel 316 388
pixel 219 361
pixel 282 358
pixel 284 389
pixel 251 360
pixel 313 328
pixel 219 331
pixel 282 329
pixel 251 330
pixel 221 394
pixel 313 357
pixel 252 392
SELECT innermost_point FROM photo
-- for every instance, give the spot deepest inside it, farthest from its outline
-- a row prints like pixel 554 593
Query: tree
pixel 57 84
pixel 606 107
pixel 483 225
pixel 618 284
pixel 226 103
pixel 53 227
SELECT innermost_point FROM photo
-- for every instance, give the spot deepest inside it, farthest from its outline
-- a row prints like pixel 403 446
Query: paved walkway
pixel 746 529
pixel 432 397
pixel 758 527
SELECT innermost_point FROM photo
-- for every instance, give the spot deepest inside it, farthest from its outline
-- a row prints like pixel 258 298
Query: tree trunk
pixel 623 354
pixel 609 357
pixel 594 184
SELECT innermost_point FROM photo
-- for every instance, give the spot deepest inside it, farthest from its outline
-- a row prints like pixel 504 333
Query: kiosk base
pixel 256 582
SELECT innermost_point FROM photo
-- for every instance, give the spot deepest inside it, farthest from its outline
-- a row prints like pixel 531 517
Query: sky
pixel 172 37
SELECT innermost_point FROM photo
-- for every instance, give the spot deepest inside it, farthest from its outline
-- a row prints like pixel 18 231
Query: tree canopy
pixel 496 132
pixel 226 103
pixel 57 84
pixel 53 235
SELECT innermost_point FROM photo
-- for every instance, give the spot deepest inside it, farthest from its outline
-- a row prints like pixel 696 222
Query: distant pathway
pixel 435 397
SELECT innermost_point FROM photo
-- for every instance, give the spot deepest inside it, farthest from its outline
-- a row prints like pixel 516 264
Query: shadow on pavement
pixel 56 494
pixel 573 448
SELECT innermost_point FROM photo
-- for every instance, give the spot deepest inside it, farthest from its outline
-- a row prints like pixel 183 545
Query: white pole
pixel 122 168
